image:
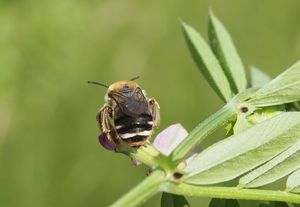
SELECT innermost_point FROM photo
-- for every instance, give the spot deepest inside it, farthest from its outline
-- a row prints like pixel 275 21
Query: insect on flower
pixel 128 117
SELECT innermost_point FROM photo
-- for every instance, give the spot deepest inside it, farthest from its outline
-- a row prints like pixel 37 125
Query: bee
pixel 128 117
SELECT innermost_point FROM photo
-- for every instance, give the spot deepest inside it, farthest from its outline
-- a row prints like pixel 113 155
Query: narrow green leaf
pixel 257 77
pixel 217 202
pixel 293 182
pixel 224 49
pixel 242 152
pixel 278 167
pixel 285 88
pixel 207 62
pixel 172 200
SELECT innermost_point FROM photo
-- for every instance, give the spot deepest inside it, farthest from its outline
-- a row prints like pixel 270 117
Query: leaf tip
pixel 184 25
pixel 180 20
pixel 211 13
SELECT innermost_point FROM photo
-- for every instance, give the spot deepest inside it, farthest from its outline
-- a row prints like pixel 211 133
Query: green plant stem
pixel 146 154
pixel 231 193
pixel 143 191
pixel 203 130
pixel 150 156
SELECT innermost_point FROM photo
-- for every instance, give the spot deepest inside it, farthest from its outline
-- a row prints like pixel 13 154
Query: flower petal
pixel 167 140
pixel 106 143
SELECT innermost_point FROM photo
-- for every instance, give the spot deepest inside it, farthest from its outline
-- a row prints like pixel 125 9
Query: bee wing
pixel 132 104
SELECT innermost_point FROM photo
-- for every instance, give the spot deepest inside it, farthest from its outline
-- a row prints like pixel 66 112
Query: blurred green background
pixel 49 153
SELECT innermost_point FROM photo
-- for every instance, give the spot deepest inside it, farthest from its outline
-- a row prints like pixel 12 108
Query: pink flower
pixel 168 139
pixel 165 142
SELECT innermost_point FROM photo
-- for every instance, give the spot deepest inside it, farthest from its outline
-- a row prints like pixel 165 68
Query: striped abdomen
pixel 134 130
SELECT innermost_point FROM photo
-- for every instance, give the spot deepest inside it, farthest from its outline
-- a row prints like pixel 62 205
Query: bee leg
pixel 155 111
pixel 103 116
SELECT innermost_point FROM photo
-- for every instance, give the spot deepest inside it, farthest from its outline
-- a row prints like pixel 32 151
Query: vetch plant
pixel 262 144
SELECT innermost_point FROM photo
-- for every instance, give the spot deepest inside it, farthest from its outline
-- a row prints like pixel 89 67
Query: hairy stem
pixel 143 191
pixel 231 193
pixel 202 131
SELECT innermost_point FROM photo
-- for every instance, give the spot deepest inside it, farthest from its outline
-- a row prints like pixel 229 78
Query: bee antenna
pixel 134 78
pixel 97 83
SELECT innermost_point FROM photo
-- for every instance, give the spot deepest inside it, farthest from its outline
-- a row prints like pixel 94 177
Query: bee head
pixel 123 87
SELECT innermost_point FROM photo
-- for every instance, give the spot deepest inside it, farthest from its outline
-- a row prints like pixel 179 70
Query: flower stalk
pixel 230 193
pixel 143 191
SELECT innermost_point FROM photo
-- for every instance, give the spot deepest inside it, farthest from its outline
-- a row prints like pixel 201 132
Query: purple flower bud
pixel 106 143
pixel 167 140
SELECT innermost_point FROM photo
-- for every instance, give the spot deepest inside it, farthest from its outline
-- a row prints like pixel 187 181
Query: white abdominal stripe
pixel 145 133
pixel 119 126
